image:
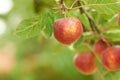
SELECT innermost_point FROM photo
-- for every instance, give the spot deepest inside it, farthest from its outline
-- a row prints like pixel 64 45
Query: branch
pixel 36 6
pixel 84 28
pixel 93 25
pixel 79 4
pixel 91 21
pixel 81 11
pixel 90 5
pixel 63 8
pixel 62 2
pixel 73 4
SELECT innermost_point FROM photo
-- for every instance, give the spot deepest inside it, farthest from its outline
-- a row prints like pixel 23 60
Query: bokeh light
pixel 5 6
pixel 2 26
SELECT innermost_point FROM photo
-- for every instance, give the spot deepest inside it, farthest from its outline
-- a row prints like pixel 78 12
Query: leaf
pixel 72 13
pixel 84 20
pixel 114 75
pixel 80 45
pixel 79 41
pixel 49 23
pixel 114 35
pixel 103 6
pixel 29 28
pixel 63 63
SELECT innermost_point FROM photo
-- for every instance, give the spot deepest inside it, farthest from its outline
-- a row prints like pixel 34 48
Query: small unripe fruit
pixel 85 62
pixel 67 30
pixel 100 46
pixel 119 18
pixel 111 58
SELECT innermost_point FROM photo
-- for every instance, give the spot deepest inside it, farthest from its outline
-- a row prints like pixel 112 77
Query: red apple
pixel 85 62
pixel 67 30
pixel 111 58
pixel 100 46
pixel 119 18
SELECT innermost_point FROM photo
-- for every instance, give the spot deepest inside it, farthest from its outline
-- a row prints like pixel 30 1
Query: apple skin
pixel 85 62
pixel 111 58
pixel 100 46
pixel 67 30
pixel 119 19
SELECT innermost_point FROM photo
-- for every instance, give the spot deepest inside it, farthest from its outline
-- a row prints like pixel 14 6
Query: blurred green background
pixel 39 58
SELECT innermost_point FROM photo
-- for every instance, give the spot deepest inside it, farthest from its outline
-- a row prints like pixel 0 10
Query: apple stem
pixel 63 8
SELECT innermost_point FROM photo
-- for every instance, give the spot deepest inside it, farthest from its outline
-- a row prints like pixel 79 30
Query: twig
pixel 89 5
pixel 91 21
pixel 91 24
pixel 81 11
pixel 73 4
pixel 79 4
pixel 63 8
pixel 106 40
pixel 62 1
pixel 36 6
pixel 84 28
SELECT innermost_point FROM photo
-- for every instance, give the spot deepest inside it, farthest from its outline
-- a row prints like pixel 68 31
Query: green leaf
pixel 79 41
pixel 84 20
pixel 72 13
pixel 29 28
pixel 49 23
pixel 114 35
pixel 112 75
pixel 103 6
pixel 80 45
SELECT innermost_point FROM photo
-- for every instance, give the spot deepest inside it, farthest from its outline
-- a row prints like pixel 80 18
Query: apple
pixel 100 46
pixel 67 30
pixel 85 62
pixel 111 58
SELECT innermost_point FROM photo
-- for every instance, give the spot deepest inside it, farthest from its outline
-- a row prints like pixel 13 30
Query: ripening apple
pixel 100 46
pixel 85 62
pixel 67 30
pixel 111 58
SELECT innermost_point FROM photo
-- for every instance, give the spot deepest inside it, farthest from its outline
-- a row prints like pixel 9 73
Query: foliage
pixel 50 60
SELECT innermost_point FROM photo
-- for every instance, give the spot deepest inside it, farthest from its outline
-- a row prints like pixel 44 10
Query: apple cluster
pixel 85 62
pixel 68 30
pixel 110 55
